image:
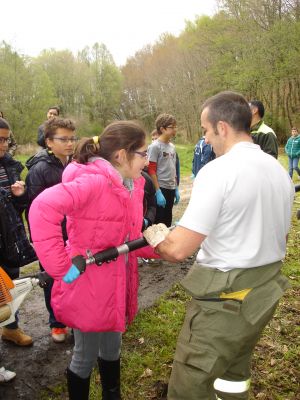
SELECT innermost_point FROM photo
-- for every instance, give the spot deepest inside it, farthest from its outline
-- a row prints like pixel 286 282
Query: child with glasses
pixel 162 168
pixel 101 195
pixel 12 144
pixel 45 169
pixel 12 191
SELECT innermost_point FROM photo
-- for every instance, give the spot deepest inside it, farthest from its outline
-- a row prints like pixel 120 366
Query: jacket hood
pixel 98 166
pixel 42 155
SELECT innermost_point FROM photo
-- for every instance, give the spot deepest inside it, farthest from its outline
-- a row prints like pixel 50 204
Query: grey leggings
pixel 89 346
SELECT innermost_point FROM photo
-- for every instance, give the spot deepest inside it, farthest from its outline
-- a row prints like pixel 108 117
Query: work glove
pixel 72 274
pixel 160 199
pixel 156 234
pixel 78 267
pixel 177 196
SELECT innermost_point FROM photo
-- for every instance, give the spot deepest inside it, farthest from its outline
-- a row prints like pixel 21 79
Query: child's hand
pixel 160 199
pixel 72 274
pixel 177 196
pixel 18 188
pixel 78 267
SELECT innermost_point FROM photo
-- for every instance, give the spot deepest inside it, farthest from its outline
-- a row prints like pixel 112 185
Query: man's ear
pixel 222 128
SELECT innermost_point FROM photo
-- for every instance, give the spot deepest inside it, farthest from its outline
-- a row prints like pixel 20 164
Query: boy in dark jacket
pixel 14 191
pixel 45 169
pixel 53 112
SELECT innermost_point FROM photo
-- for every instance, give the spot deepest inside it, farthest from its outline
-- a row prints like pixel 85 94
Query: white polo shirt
pixel 242 201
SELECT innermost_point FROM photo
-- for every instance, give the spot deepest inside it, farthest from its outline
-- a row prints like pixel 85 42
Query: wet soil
pixel 42 365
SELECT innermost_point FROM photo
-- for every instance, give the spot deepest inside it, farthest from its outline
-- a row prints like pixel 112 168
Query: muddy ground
pixel 43 364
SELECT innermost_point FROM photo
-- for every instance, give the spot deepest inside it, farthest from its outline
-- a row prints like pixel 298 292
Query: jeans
pixel 293 165
pixel 91 345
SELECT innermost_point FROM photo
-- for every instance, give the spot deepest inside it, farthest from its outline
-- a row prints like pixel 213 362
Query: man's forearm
pixel 180 244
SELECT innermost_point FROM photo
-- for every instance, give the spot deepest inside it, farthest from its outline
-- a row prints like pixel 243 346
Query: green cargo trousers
pixel 214 348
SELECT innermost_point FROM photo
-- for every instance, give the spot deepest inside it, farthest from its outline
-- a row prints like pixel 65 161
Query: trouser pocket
pixel 191 377
pixel 261 299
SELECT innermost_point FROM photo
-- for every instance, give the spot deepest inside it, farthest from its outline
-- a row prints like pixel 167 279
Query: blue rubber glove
pixel 160 199
pixel 146 223
pixel 177 196
pixel 192 176
pixel 72 274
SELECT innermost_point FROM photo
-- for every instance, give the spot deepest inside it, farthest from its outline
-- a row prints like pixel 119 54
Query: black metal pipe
pixel 108 255
pixel 99 258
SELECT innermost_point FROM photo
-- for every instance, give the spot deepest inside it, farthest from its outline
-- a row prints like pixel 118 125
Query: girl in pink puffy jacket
pixel 101 195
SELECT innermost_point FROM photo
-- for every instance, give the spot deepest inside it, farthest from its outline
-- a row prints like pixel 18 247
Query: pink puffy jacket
pixel 101 213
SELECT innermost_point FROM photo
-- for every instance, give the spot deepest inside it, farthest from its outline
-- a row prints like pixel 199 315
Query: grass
pixel 149 343
pixel 276 359
pixel 22 158
pixel 185 153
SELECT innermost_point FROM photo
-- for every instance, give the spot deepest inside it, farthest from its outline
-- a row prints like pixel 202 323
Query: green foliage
pixel 249 46
pixel 87 88
pixel 23 89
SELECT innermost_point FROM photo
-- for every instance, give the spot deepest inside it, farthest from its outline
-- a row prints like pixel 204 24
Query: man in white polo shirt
pixel 239 216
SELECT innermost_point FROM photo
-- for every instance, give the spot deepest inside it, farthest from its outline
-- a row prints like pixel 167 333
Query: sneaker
pixel 17 336
pixel 6 375
pixel 140 261
pixel 59 334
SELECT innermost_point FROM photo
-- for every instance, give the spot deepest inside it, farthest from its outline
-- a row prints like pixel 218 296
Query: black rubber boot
pixel 110 379
pixel 78 388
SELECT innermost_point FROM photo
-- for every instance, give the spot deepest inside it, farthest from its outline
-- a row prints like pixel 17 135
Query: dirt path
pixel 43 364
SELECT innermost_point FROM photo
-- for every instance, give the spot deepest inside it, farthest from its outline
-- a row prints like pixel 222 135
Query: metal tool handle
pixel 108 255
pixel 113 253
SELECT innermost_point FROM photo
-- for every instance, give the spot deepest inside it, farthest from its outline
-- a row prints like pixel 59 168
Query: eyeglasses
pixel 171 127
pixel 66 140
pixel 5 140
pixel 143 154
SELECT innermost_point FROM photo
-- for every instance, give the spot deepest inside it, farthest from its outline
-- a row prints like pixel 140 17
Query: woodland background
pixel 251 46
